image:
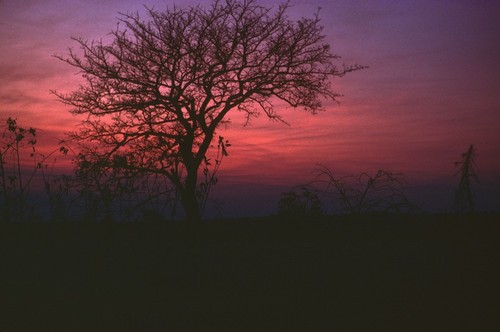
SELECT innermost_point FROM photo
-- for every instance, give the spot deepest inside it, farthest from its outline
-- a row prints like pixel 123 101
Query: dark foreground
pixel 373 274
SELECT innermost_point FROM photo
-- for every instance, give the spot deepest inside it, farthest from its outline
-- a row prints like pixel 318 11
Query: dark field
pixel 426 273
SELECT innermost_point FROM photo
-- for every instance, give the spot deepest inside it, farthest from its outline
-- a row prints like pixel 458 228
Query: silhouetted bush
pixel 382 192
pixel 302 204
pixel 108 190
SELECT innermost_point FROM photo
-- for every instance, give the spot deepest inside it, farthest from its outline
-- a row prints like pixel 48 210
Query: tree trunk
pixel 189 199
pixel 191 207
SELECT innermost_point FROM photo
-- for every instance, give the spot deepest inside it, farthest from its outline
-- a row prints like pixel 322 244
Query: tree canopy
pixel 156 94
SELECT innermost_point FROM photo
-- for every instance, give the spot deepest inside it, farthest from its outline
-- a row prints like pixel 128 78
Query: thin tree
pixel 161 88
pixel 464 200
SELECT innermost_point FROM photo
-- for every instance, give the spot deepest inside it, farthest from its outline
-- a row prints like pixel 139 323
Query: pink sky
pixel 432 89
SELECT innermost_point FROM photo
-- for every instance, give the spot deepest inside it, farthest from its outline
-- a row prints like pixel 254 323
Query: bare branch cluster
pixel 364 193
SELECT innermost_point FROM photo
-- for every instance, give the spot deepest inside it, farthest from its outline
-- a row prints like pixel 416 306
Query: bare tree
pixel 158 92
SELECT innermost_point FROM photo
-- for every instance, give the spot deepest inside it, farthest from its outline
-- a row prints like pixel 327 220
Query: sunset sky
pixel 432 88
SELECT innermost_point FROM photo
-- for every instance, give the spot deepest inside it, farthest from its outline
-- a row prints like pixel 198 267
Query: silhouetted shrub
pixel 382 192
pixel 304 203
pixel 109 190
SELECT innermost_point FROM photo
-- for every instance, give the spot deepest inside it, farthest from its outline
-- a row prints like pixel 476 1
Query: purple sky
pixel 432 89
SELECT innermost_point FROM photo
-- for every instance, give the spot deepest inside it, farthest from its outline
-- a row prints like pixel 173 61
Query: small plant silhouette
pixel 210 175
pixel 464 199
pixel 20 162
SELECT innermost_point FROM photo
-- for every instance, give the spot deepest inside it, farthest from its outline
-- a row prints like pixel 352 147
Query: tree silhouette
pixel 464 199
pixel 159 91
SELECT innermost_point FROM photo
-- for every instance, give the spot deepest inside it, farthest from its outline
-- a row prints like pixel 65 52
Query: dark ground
pixel 426 273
